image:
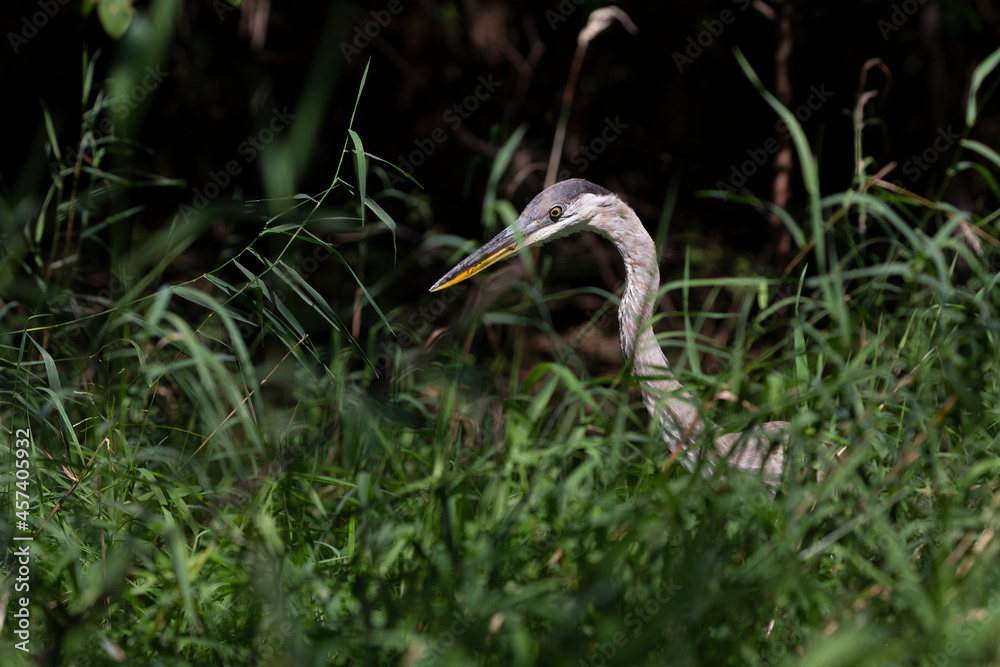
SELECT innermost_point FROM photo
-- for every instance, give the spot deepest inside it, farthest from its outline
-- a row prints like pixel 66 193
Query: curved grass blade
pixel 978 76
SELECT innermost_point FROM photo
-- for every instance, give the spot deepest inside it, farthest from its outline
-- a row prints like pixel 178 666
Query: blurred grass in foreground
pixel 230 483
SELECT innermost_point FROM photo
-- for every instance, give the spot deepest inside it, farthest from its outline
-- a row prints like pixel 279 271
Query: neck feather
pixel 677 416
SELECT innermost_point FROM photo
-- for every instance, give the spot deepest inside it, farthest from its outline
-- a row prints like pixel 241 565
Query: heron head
pixel 558 210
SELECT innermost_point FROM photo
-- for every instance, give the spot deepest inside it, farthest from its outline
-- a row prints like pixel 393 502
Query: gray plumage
pixel 574 205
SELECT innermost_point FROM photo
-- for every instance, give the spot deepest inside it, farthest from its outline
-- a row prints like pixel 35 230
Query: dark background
pixel 228 69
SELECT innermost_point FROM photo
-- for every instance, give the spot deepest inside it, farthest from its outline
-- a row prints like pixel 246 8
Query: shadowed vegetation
pixel 229 467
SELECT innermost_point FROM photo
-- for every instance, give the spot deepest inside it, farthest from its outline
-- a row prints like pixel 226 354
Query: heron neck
pixel 676 415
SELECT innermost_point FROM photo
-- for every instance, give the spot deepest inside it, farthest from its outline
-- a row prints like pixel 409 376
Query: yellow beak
pixel 503 245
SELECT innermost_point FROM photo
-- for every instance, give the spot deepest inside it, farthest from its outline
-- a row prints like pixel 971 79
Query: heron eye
pixel 555 212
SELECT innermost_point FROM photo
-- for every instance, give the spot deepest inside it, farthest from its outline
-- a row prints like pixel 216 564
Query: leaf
pixel 500 164
pixel 88 74
pixel 386 218
pixel 810 171
pixel 159 306
pixel 982 149
pixel 115 16
pixel 978 76
pixel 364 77
pixel 983 172
pixel 359 168
pixel 405 174
pixel 50 131
pixel 50 368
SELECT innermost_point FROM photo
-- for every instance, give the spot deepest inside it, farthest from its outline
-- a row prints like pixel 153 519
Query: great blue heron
pixel 574 205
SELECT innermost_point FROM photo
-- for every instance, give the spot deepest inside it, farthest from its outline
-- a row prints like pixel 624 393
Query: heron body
pixel 574 205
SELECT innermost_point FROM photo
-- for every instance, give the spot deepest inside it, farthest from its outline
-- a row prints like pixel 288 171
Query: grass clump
pixel 219 475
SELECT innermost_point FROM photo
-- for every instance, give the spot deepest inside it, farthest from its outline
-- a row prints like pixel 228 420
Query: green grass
pixel 218 476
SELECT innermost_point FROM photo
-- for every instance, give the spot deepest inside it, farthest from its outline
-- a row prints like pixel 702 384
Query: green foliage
pixel 222 474
pixel 115 15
